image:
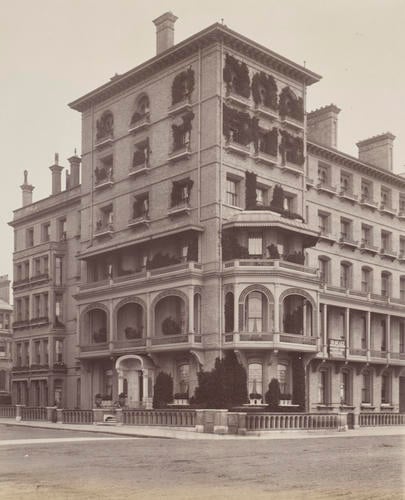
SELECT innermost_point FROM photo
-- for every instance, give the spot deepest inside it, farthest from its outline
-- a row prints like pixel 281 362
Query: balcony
pixel 104 229
pixel 141 169
pixel 272 266
pixel 267 159
pixel 140 124
pixel 188 339
pixel 22 323
pixel 94 350
pixel 180 107
pixel 129 345
pixel 39 321
pixel 292 123
pixel 292 168
pixel 104 182
pixel 378 354
pixel 139 221
pixel 268 340
pixel 401 257
pixel 348 242
pixel 327 236
pixel 367 247
pixel 326 187
pixel 236 147
pixel 366 201
pixel 388 253
pixel 21 283
pixel 180 153
pixel 357 352
pixel 386 209
pixel 237 99
pixel 401 214
pixel 104 142
pixel 266 112
pixel 182 208
pixel 347 194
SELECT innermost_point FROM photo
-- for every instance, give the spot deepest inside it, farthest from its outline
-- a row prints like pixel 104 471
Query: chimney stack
pixel 74 178
pixel 378 150
pixel 27 190
pixel 164 31
pixel 56 170
pixel 322 125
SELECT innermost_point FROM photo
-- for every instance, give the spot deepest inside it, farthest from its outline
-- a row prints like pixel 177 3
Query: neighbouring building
pixel 212 213
pixel 6 312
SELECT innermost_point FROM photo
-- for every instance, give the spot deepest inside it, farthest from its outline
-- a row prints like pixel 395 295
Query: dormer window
pixel 105 126
pixel 183 86
pixel 142 109
pixel 181 192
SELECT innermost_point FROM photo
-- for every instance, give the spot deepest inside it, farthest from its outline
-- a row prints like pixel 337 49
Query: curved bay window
pixel 283 376
pixel 297 315
pixel 256 313
pixel 95 325
pixel 255 380
pixel 183 380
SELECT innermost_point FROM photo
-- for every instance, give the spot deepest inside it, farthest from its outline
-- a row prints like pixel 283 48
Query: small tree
pixel 298 393
pixel 163 390
pixel 277 203
pixel 223 387
pixel 251 197
pixel 273 394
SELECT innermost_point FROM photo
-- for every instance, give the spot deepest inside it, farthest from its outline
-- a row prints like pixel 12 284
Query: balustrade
pixel 174 418
pixel 376 419
pixel 280 421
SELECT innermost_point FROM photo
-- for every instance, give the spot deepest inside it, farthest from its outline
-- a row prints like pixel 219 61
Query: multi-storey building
pixel 6 311
pixel 209 222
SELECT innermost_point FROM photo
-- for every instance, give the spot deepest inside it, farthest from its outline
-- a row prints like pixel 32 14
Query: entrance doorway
pixel 135 380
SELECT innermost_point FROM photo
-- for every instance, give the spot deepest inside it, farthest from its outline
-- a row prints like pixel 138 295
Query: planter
pixel 180 402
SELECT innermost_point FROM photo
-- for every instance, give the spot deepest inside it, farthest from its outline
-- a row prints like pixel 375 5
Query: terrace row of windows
pixel 37 267
pixel 37 353
pixel 367 194
pixel 36 308
pixel 47 233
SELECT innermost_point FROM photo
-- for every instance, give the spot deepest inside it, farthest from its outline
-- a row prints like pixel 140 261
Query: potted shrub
pixel 285 399
pixel 170 326
pixel 122 399
pixel 273 394
pixel 98 400
pixel 133 333
pixel 255 398
pixel 181 398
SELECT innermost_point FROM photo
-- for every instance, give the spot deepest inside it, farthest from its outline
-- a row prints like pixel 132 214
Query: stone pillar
pixel 51 413
pixel 347 329
pixel 342 423
pixel 368 333
pixel 98 415
pixel 199 420
pixel 304 318
pixel 59 416
pixel 325 328
pixel 18 412
pixel 119 416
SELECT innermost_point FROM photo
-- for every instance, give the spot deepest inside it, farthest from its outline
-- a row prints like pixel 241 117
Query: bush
pixel 273 394
pixel 223 387
pixel 170 326
pixel 163 390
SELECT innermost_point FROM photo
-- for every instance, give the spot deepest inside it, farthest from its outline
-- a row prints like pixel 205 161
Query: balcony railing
pixel 385 208
pixel 401 214
pixel 389 253
pixel 348 241
pixel 270 263
pixel 234 98
pixel 139 221
pixel 266 112
pixel 104 141
pixel 368 202
pixel 266 158
pixel 180 208
pixel 357 352
pixel 347 194
pixel 236 147
pixel 140 124
pixel 180 107
pixel 378 354
pixel 180 153
pixel 104 229
pixel 367 246
pixel 326 187
pixel 142 168
pixel 272 340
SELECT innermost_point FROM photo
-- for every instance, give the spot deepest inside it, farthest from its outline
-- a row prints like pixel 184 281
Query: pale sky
pixel 53 51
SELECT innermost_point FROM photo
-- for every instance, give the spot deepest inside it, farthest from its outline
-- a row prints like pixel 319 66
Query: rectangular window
pixel 383 335
pixel 324 270
pixel 59 310
pixel 345 388
pixel 386 197
pixel 261 197
pixel 386 238
pixel 346 182
pixel 140 206
pixel 232 192
pixel 402 337
pixel 402 245
pixel 29 237
pixel 364 332
pixel 402 203
pixel 59 350
pixel 289 202
pixel 37 352
pixel 46 352
pixel 37 266
pixel 366 190
pixel 62 229
pixel 58 271
pixel 366 389
pixel 255 244
pixel 366 280
pixel 46 232
pixel 345 229
pixel 323 387
pixel 366 234
pixel 345 276
pixel 26 308
pixel 385 389
pixel 37 306
pixel 324 173
pixel 385 284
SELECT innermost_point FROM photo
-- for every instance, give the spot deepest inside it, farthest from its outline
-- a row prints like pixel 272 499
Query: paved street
pixel 53 464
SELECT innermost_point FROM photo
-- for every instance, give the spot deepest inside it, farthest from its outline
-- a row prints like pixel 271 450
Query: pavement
pixel 190 433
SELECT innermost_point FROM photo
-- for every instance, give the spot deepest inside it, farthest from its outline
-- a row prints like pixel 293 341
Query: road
pixel 53 464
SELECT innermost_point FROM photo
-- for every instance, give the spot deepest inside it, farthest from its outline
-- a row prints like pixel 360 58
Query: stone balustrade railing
pixel 33 413
pixel 7 411
pixel 174 418
pixel 290 421
pixel 377 419
pixel 77 416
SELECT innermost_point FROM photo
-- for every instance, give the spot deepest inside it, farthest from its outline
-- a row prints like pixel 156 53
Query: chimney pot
pixel 27 190
pixel 74 178
pixel 164 31
pixel 56 176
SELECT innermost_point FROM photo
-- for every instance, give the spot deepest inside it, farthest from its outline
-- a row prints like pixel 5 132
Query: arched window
pixel 345 275
pixel 229 312
pixel 386 284
pixel 130 321
pixel 105 126
pixel 283 376
pixel 297 315
pixel 366 279
pixel 170 316
pixel 95 325
pixel 141 109
pixel 385 388
pixel 256 319
pixel 255 380
pixel 402 288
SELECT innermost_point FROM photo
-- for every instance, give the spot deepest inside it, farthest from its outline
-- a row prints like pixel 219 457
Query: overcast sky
pixel 53 51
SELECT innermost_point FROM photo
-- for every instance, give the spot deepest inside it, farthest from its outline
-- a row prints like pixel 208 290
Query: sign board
pixel 337 348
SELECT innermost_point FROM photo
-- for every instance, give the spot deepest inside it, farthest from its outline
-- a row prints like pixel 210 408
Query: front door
pixel 402 394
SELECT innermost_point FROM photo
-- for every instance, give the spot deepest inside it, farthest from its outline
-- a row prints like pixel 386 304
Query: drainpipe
pixel 304 214
pixel 92 179
pixel 199 137
pixel 221 118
